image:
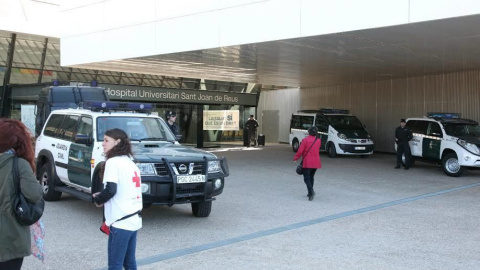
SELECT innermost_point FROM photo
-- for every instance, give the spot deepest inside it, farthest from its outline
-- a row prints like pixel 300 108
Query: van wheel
pixel 295 145
pixel 202 209
pixel 450 165
pixel 332 152
pixel 48 183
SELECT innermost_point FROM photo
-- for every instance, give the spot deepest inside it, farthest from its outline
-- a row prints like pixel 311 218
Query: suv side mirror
pixel 83 139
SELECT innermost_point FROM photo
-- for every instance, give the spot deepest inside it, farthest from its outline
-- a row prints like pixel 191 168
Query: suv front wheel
pixel 48 183
pixel 202 209
pixel 450 165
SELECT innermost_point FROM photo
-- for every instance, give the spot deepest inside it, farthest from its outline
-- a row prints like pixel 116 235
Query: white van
pixel 341 132
pixel 446 139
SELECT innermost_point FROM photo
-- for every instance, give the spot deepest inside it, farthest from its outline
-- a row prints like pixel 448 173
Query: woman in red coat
pixel 310 151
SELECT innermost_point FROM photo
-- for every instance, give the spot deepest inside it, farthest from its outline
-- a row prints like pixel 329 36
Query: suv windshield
pixel 344 121
pixel 461 129
pixel 137 128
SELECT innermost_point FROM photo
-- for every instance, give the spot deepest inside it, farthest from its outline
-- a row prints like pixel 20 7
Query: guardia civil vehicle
pixel 69 155
pixel 446 139
pixel 341 132
pixel 62 97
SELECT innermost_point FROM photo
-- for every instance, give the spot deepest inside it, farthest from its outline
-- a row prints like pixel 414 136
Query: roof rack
pixel 308 111
pixel 341 111
pixel 106 106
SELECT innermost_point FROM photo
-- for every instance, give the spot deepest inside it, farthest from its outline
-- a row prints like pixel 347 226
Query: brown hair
pixel 15 135
pixel 123 147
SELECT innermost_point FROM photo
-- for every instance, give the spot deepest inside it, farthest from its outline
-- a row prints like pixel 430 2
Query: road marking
pixel 294 226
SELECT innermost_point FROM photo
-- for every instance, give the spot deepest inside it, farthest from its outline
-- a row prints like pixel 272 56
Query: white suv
pixel 447 139
pixel 69 156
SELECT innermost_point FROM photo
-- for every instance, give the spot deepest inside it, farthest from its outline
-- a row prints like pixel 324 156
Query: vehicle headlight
pixel 469 146
pixel 145 188
pixel 218 183
pixel 342 136
pixel 147 168
pixel 214 166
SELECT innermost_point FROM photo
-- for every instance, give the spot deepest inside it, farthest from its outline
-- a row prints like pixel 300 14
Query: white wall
pixel 30 17
pixel 287 101
pixel 118 29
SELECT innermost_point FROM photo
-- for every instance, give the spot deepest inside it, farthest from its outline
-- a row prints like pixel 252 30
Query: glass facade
pixel 36 64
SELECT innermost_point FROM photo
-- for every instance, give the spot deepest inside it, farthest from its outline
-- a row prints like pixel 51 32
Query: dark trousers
pixel 13 264
pixel 308 179
pixel 403 148
pixel 252 136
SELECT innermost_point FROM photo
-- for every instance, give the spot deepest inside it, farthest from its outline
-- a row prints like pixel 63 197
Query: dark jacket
pixel 403 134
pixel 311 159
pixel 251 125
pixel 15 238
pixel 174 128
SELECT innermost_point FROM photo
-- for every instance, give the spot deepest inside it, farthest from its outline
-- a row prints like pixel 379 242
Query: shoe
pixel 310 198
pixel 397 167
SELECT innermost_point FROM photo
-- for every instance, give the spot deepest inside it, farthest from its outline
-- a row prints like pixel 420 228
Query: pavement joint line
pixel 293 226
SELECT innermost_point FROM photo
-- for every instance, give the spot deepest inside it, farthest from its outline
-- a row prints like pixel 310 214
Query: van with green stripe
pixel 445 139
pixel 341 132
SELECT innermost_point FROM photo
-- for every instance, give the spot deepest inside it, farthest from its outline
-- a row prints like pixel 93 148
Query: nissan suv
pixel 69 156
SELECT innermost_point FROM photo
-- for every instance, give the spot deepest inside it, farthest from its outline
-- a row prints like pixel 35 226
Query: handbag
pixel 26 213
pixel 106 229
pixel 299 168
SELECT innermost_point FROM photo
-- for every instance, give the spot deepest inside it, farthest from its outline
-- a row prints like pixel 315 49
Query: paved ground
pixel 366 215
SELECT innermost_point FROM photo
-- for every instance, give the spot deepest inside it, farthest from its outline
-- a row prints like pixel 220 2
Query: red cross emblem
pixel 136 180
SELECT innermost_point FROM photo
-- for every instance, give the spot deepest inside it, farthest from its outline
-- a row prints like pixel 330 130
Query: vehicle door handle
pixel 53 144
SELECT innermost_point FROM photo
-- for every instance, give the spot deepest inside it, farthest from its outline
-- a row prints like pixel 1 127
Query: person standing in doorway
pixel 171 117
pixel 251 126
pixel 310 151
pixel 402 136
pixel 122 198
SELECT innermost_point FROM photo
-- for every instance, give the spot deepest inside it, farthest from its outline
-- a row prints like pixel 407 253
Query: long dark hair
pixel 124 147
pixel 15 135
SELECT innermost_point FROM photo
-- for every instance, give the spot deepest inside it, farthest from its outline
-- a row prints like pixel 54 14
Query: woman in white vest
pixel 122 199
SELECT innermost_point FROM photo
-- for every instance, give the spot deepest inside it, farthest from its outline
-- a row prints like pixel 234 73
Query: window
pixel 85 126
pixel 70 127
pixel 306 122
pixel 137 128
pixel 321 123
pixel 420 127
pixel 435 130
pixel 53 123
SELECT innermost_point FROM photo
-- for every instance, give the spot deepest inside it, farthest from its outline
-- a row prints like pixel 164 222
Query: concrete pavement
pixel 366 215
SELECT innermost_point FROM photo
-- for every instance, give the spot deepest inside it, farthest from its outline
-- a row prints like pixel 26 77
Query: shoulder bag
pixel 26 213
pixel 106 229
pixel 299 169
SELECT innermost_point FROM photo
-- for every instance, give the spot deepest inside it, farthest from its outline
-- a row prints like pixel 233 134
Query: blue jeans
pixel 308 179
pixel 121 249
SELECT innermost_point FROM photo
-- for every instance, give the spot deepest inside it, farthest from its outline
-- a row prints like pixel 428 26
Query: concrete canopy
pixel 415 49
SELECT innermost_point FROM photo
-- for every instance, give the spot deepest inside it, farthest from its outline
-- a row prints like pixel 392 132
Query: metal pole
pixel 5 112
pixel 42 63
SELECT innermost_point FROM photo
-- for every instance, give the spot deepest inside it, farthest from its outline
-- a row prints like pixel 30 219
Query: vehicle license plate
pixel 360 148
pixel 185 179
